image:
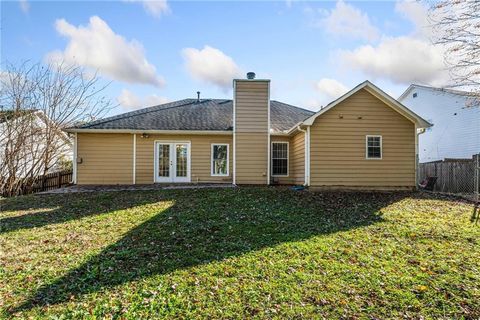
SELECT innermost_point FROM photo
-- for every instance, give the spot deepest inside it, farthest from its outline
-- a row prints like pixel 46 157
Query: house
pixel 30 145
pixel 364 139
pixel 456 115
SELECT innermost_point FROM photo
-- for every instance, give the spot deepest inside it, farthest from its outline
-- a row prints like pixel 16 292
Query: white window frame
pixel 213 174
pixel 366 146
pixel 288 158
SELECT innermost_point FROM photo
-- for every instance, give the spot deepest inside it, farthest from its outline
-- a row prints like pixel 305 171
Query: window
pixel 374 147
pixel 219 159
pixel 279 159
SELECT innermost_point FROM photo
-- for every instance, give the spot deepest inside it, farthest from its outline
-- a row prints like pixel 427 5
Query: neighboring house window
pixel 279 159
pixel 374 147
pixel 220 159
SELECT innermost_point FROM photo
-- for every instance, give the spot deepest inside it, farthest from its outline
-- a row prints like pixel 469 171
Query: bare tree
pixel 38 101
pixel 456 25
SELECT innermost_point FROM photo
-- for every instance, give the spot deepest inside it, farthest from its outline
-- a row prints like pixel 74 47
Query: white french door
pixel 172 161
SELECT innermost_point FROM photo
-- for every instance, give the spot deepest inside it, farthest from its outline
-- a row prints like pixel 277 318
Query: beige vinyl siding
pixel 297 157
pixel 251 158
pixel 106 158
pixel 338 150
pixel 251 131
pixel 200 156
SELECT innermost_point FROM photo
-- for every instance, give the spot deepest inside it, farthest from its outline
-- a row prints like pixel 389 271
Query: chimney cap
pixel 250 75
pixel 198 96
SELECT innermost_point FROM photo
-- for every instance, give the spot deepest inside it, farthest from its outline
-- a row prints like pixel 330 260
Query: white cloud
pixel 131 101
pixel 347 20
pixel 24 6
pixel 406 59
pixel 211 65
pixel 312 104
pixel 402 60
pixel 96 46
pixel 155 8
pixel 331 88
pixel 417 13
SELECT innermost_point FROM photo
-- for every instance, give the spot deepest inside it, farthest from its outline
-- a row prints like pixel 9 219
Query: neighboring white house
pixel 456 122
pixel 34 132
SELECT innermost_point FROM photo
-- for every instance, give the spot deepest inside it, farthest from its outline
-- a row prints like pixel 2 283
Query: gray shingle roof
pixel 188 114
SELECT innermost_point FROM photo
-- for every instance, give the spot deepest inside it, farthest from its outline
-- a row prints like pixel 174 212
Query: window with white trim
pixel 279 159
pixel 374 147
pixel 219 157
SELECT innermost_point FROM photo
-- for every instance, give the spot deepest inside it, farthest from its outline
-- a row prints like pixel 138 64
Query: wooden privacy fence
pixel 46 182
pixel 454 175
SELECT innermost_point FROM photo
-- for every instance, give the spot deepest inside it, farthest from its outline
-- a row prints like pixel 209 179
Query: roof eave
pixel 406 92
pixel 135 131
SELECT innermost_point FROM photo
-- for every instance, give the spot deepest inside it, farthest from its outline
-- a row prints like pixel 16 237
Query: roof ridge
pixel 138 112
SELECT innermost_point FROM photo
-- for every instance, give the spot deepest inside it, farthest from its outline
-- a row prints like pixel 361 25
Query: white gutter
pixel 307 153
pixel 196 132
pixel 295 127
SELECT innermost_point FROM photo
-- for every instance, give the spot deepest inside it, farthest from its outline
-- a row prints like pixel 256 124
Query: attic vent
pixel 415 95
pixel 251 75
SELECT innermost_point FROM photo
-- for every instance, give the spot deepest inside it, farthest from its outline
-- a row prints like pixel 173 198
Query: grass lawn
pixel 238 253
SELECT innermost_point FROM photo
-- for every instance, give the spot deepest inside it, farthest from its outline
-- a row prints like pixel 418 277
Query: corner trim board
pixel 134 158
pixel 234 166
pixel 268 136
pixel 75 155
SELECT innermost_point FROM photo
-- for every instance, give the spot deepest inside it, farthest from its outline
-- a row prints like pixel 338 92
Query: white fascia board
pixel 195 132
pixel 406 92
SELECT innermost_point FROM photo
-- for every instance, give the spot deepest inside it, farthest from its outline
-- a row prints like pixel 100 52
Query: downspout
pixel 417 133
pixel 268 139
pixel 75 164
pixel 307 154
pixel 134 158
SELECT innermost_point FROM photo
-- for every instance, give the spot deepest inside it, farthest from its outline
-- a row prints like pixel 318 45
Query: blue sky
pixel 160 51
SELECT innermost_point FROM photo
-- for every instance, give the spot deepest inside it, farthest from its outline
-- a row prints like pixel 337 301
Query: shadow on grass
pixel 55 209
pixel 206 225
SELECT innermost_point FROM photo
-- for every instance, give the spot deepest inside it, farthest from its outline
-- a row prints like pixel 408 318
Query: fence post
pixel 476 178
pixel 59 179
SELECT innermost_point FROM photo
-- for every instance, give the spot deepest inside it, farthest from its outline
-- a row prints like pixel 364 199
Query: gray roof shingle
pixel 188 114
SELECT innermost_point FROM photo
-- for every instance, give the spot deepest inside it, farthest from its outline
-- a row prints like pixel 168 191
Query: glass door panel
pixel 181 160
pixel 164 160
